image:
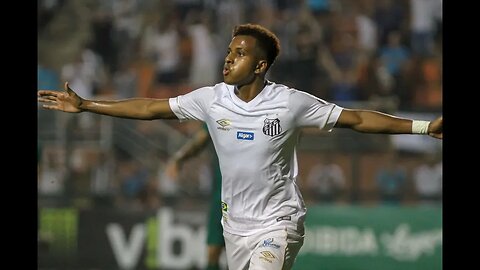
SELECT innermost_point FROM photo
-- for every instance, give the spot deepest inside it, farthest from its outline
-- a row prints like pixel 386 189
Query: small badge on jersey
pixel 267 256
pixel 224 207
pixel 242 135
pixel 271 127
pixel 224 211
pixel 224 123
pixel 269 243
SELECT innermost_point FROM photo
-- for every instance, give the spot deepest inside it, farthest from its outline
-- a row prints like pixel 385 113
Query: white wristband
pixel 420 127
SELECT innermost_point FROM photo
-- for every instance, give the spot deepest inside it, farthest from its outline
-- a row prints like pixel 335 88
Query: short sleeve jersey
pixel 255 143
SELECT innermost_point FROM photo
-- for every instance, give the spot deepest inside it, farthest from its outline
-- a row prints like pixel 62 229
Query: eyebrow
pixel 238 48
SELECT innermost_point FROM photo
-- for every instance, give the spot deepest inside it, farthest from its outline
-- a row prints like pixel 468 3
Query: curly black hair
pixel 267 40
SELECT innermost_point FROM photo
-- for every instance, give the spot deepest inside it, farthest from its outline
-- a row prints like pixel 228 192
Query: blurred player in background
pixel 254 124
pixel 215 241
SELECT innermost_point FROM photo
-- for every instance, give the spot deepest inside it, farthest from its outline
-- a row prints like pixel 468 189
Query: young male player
pixel 215 241
pixel 254 124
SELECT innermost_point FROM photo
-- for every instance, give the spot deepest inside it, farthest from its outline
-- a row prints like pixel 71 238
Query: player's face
pixel 241 61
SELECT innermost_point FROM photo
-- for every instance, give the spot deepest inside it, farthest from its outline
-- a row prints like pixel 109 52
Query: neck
pixel 249 91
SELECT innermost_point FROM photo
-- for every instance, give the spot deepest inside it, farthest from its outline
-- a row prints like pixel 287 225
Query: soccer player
pixel 254 124
pixel 215 241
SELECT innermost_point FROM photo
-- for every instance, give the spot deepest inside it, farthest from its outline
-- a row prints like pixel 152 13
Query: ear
pixel 261 67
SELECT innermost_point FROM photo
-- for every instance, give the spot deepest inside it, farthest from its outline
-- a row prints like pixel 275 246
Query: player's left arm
pixel 368 121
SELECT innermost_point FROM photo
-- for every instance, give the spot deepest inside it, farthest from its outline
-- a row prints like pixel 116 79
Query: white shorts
pixel 273 250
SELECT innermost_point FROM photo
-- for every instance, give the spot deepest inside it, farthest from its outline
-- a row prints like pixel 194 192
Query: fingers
pixel 51 101
pixel 67 88
pixel 437 135
pixel 47 99
pixel 51 107
pixel 55 92
pixel 53 95
pixel 47 93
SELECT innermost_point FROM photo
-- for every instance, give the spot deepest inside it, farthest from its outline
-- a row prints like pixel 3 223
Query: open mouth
pixel 226 71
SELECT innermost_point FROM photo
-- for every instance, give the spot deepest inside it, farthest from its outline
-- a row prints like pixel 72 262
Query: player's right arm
pixel 134 108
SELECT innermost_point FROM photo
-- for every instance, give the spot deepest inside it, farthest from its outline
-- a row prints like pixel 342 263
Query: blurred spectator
pixel 377 84
pixel 428 91
pixel 423 19
pixel 229 13
pixel 394 54
pixel 133 179
pixel 162 43
pixel 326 180
pixel 103 42
pixel 367 32
pixel 149 196
pixel 347 60
pixel 344 41
pixel 125 79
pixel 345 88
pixel 204 67
pixel 168 186
pixel 407 82
pixel 80 172
pixel 205 176
pixel 427 178
pixel 87 74
pixel 46 11
pixel 185 50
pixel 101 174
pixel 51 174
pixel 127 20
pixel 391 179
pixel 320 6
pixel 305 62
pixel 390 15
pixel 47 78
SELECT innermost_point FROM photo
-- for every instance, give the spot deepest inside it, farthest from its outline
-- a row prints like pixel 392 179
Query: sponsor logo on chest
pixel 242 135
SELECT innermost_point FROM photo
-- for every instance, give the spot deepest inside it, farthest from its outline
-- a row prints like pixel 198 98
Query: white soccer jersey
pixel 255 143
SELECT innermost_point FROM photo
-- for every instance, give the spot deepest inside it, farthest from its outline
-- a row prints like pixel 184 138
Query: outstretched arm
pixel 377 122
pixel 134 108
pixel 190 149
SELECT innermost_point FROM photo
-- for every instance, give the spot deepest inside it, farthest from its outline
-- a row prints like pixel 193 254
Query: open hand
pixel 67 100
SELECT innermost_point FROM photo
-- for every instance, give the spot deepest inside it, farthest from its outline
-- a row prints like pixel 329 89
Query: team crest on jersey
pixel 271 127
